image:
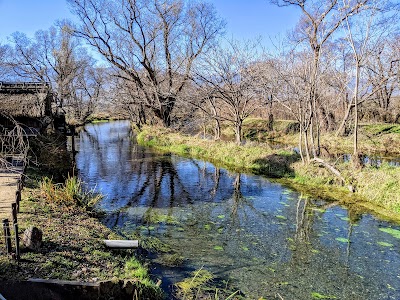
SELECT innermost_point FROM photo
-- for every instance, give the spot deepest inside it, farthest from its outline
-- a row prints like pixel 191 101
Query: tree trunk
pixel 217 130
pixel 238 132
pixel 165 110
pixel 301 144
pixel 270 122
pixel 355 148
pixel 345 118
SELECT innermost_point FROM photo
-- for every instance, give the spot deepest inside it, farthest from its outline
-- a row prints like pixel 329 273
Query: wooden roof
pixel 25 99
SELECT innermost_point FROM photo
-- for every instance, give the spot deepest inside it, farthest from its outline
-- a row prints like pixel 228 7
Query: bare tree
pixel 128 100
pixel 55 56
pixel 229 78
pixel 151 43
pixel 363 37
pixel 383 69
pixel 319 21
pixel 5 52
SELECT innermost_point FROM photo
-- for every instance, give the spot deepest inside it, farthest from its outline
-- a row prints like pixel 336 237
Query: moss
pixel 155 244
pixel 152 217
pixel 172 260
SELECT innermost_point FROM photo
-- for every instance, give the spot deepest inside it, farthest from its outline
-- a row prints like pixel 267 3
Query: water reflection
pixel 264 238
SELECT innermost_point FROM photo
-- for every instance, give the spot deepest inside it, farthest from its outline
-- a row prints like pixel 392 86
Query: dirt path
pixel 8 187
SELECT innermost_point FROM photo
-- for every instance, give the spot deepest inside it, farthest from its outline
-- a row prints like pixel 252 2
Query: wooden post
pixel 7 235
pixel 17 252
pixel 14 213
pixel 73 132
pixel 21 180
pixel 17 199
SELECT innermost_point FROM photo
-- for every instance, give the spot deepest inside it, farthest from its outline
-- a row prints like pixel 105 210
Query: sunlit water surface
pixel 265 239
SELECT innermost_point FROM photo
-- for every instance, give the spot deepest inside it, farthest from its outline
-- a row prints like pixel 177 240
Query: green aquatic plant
pixel 172 260
pixel 342 240
pixel 153 217
pixel 219 248
pixel 207 227
pixel 393 232
pixel 385 244
pixel 188 288
pixel 200 286
pixel 155 244
pixel 316 295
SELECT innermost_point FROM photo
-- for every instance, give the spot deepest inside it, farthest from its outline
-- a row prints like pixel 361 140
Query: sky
pixel 246 19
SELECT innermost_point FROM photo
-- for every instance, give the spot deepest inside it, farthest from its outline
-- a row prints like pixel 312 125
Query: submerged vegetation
pixel 200 286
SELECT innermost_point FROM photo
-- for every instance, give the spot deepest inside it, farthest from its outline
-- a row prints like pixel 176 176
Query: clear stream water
pixel 262 237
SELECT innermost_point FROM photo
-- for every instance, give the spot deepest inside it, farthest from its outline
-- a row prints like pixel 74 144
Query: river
pixel 264 238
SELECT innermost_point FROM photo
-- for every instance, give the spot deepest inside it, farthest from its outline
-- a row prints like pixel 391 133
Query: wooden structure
pixel 29 103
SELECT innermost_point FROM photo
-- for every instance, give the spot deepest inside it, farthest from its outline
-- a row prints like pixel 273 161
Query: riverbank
pixel 373 139
pixel 377 189
pixel 72 246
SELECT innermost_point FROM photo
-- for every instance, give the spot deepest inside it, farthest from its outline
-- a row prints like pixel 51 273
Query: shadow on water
pixel 261 237
pixel 276 165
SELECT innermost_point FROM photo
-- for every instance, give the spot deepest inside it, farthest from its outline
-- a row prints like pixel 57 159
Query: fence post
pixel 17 252
pixel 17 199
pixel 20 183
pixel 7 235
pixel 14 213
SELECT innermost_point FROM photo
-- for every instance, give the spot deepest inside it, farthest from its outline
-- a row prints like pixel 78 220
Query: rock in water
pixel 32 238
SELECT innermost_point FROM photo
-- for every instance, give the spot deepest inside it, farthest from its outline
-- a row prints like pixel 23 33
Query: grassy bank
pixel 376 188
pixel 373 138
pixel 72 246
pixel 258 159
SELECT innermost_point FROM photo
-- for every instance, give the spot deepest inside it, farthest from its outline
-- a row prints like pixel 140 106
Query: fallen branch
pixel 333 170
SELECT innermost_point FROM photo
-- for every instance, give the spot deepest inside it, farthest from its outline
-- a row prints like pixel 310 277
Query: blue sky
pixel 245 19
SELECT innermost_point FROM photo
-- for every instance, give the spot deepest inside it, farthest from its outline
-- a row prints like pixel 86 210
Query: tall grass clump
pixel 146 288
pixel 381 185
pixel 70 193
pixel 200 286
